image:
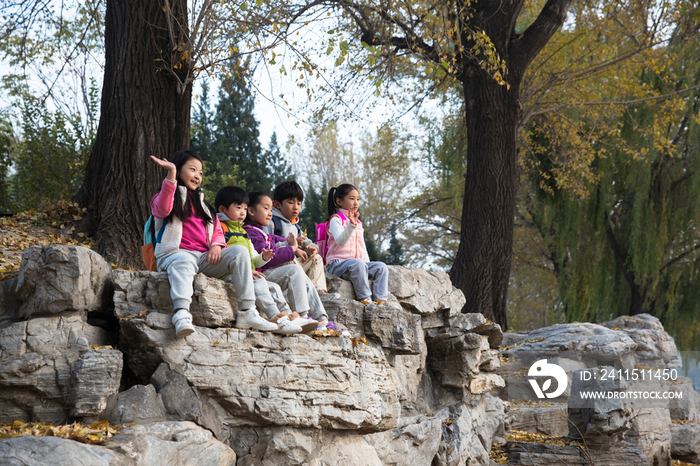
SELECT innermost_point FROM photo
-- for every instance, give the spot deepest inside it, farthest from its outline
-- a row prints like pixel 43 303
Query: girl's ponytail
pixel 332 208
pixel 338 193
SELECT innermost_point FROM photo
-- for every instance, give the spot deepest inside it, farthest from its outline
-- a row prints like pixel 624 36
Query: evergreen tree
pixel 394 256
pixel 314 211
pixel 202 129
pixel 278 170
pixel 372 250
pixel 236 139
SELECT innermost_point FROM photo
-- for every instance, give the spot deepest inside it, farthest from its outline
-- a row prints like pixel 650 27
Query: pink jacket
pixel 162 205
pixel 350 241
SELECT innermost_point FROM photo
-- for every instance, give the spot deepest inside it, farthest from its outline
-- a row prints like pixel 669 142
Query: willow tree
pixel 630 244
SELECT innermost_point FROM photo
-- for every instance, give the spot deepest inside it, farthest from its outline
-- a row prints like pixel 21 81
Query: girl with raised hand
pixel 192 242
pixel 346 246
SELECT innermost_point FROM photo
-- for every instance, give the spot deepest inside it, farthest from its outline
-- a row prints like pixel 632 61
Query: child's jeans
pixel 182 265
pixel 298 290
pixel 315 271
pixel 269 298
pixel 360 272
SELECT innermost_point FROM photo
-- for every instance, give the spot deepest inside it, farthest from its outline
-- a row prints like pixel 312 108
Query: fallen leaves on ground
pixel 34 228
pixel 93 434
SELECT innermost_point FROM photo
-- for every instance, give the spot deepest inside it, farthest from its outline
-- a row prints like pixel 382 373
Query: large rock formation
pixel 378 397
pixel 417 383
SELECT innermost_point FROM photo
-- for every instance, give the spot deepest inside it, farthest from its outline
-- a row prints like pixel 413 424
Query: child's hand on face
pixel 312 250
pixel 172 169
pixel 268 254
pixel 257 274
pixel 302 255
pixel 292 241
pixel 214 255
pixel 353 216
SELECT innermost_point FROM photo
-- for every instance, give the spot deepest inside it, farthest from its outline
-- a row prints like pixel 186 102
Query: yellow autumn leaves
pixel 96 433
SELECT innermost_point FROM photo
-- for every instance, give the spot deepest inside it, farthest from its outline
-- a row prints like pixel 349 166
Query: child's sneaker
pixel 322 325
pixel 380 302
pixel 321 292
pixel 334 296
pixel 365 301
pixel 182 320
pixel 284 325
pixel 306 323
pixel 251 319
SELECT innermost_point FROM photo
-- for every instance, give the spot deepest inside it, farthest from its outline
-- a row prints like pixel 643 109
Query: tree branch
pixel 526 48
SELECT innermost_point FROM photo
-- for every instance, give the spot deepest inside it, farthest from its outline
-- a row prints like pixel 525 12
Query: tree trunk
pixel 143 112
pixel 482 264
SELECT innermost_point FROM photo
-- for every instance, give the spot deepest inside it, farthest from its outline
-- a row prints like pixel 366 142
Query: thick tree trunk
pixel 482 265
pixel 143 112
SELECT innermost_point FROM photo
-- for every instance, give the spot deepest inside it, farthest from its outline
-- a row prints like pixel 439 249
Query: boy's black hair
pixel 254 198
pixel 288 190
pixel 230 195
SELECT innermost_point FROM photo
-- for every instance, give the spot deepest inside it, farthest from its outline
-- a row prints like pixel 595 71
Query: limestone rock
pixel 477 323
pixel 140 404
pixel 685 443
pixel 650 429
pixel 36 359
pixel 288 446
pixel 551 421
pixel 454 360
pixel 95 376
pixel 9 306
pixel 171 443
pixel 469 430
pixel 56 451
pixel 396 330
pixel 347 312
pixel 414 442
pixel 424 292
pixel 140 292
pixel 62 279
pixel 655 347
pixel 176 443
pixel 179 399
pixel 480 384
pixel 686 408
pixel 256 378
pixel 592 343
pixel 540 454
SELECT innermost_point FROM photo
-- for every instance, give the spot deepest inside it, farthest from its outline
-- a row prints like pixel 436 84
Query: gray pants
pixel 360 272
pixel 299 291
pixel 269 298
pixel 182 265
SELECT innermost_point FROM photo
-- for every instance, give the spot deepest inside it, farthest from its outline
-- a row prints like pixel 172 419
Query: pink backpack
pixel 322 234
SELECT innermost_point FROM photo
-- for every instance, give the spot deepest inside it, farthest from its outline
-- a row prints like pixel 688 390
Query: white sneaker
pixel 306 323
pixel 286 327
pixel 182 320
pixel 251 319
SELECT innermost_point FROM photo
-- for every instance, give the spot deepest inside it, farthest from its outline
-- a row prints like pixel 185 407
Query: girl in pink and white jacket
pixel 346 246
pixel 192 242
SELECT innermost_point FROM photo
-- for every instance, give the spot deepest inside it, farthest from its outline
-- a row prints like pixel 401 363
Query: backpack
pixel 150 239
pixel 278 226
pixel 322 235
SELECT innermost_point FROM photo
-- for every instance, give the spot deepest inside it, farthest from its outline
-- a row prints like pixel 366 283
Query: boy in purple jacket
pixel 282 269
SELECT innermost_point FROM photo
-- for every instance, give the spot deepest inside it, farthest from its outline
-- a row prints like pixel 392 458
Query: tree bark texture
pixel 143 112
pixel 482 264
pixel 492 112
